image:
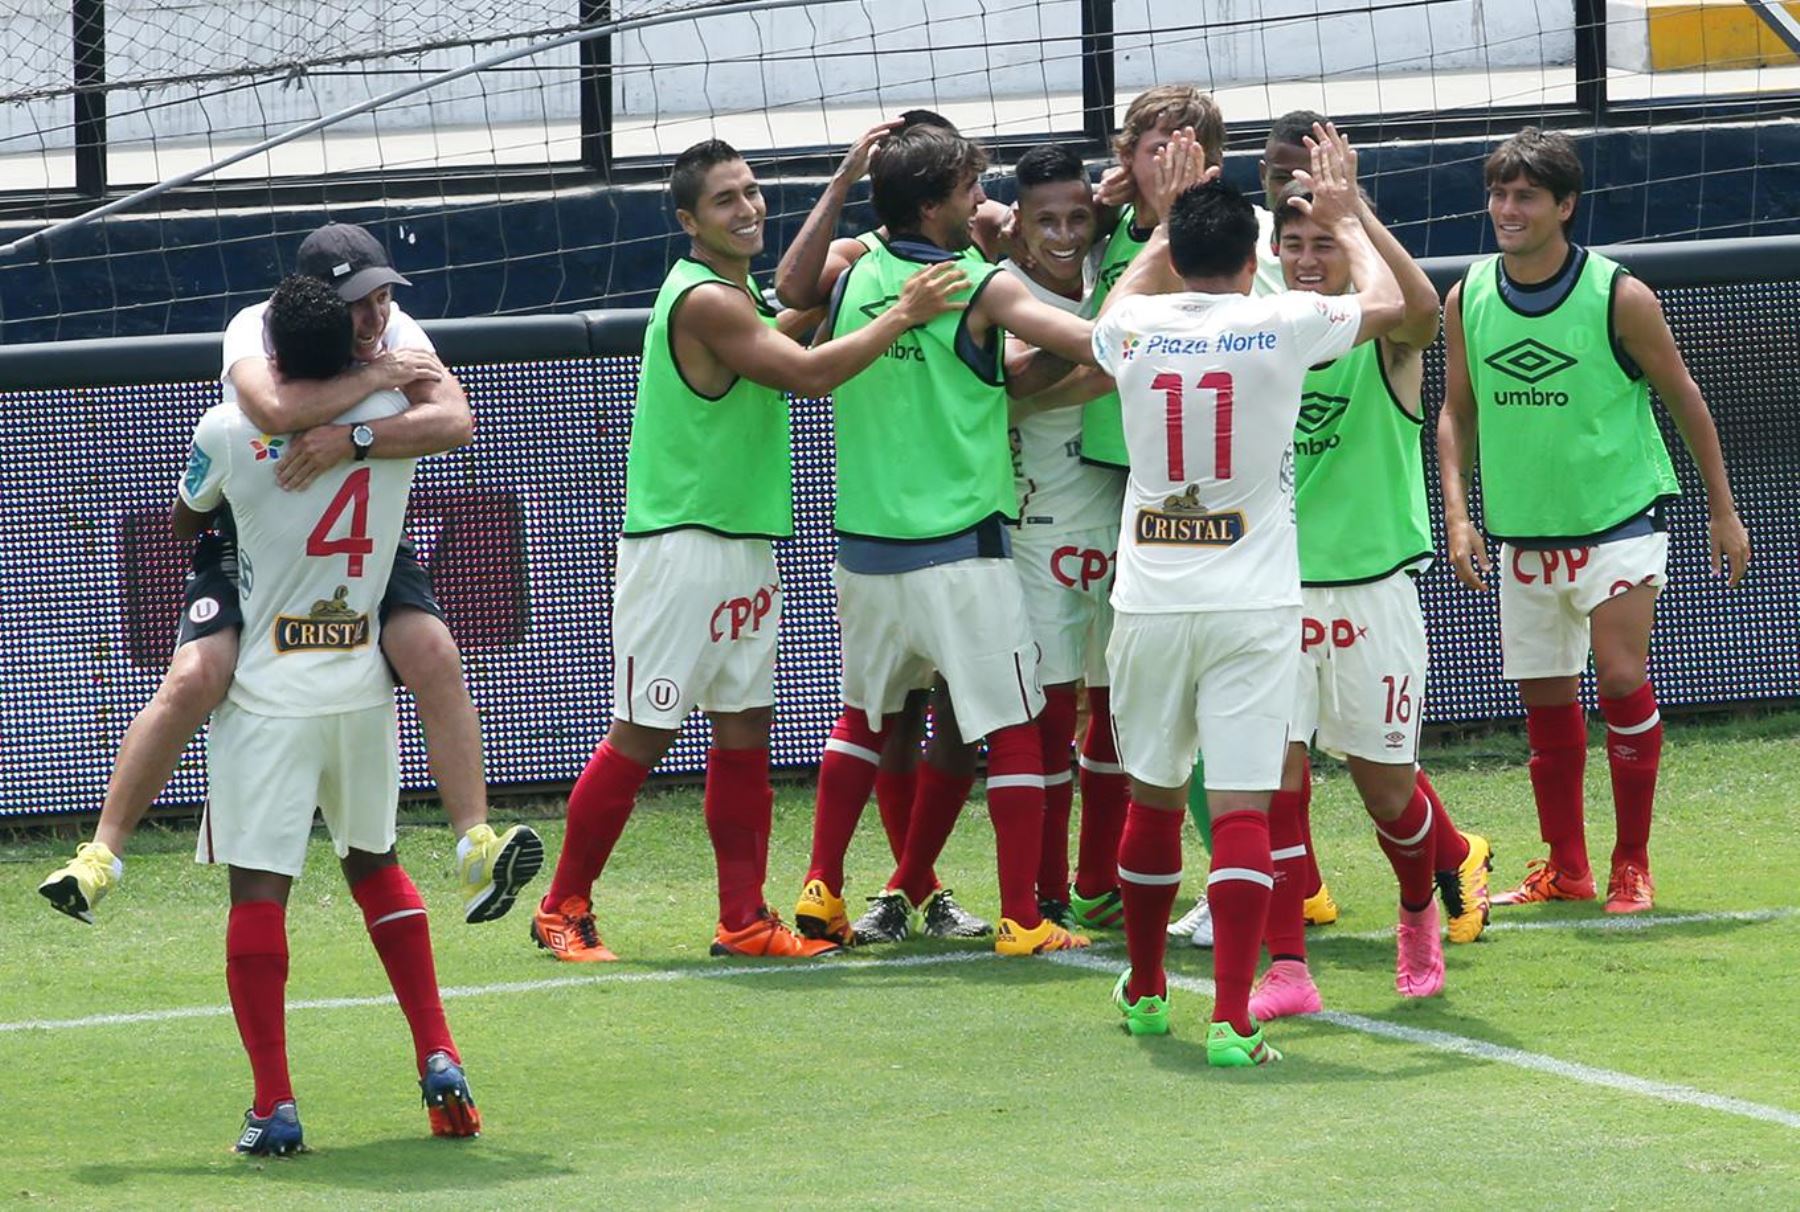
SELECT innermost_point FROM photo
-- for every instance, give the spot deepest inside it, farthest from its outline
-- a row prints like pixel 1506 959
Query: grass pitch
pixel 1570 1065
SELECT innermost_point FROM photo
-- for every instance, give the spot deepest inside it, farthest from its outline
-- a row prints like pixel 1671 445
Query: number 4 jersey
pixel 1210 389
pixel 312 565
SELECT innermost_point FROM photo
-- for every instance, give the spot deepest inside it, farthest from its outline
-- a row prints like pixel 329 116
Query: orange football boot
pixel 569 933
pixel 1630 890
pixel 769 936
pixel 1544 881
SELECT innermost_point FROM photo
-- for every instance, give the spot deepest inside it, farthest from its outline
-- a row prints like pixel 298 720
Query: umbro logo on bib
pixel 1529 361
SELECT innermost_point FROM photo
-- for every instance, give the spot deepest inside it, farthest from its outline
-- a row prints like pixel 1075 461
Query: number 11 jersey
pixel 1210 389
pixel 312 565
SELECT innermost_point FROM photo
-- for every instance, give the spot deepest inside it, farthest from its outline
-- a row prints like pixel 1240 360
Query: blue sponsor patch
pixel 199 464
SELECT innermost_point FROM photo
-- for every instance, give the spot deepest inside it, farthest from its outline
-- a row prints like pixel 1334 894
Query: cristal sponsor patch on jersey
pixel 1184 522
pixel 331 625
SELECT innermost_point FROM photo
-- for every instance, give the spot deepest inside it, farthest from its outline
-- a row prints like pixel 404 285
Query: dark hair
pixel 926 117
pixel 1212 231
pixel 918 166
pixel 1294 128
pixel 1546 158
pixel 1283 212
pixel 688 177
pixel 309 328
pixel 1046 164
pixel 1171 107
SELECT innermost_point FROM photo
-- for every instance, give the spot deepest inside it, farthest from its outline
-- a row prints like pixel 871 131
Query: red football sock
pixel 1149 875
pixel 1285 933
pixel 1238 890
pixel 401 933
pixel 1634 738
pixel 1056 729
pixel 895 791
pixel 256 971
pixel 1015 797
pixel 599 806
pixel 739 804
pixel 934 813
pixel 846 776
pixel 1558 760
pixel 1313 881
pixel 1448 845
pixel 1406 840
pixel 1104 791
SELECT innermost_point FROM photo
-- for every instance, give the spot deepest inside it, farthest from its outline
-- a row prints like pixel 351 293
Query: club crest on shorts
pixel 662 693
pixel 331 625
pixel 1183 521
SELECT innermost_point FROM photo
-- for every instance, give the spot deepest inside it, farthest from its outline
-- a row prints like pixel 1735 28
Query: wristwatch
pixel 363 439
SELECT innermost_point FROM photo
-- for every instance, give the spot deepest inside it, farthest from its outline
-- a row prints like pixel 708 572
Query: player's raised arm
pixel 725 322
pixel 1336 205
pixel 1644 332
pixel 812 264
pixel 1062 340
pixel 1180 165
pixel 1419 298
pixel 1463 543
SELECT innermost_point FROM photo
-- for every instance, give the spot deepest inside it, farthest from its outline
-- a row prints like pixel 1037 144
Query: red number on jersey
pixel 354 495
pixel 1219 383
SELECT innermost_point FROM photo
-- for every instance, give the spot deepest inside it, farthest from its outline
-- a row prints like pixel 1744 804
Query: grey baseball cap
pixel 348 258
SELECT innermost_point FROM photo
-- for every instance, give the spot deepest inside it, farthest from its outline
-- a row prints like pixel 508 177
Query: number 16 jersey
pixel 1210 388
pixel 312 565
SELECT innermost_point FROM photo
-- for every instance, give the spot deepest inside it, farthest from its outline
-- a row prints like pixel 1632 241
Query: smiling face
pixel 1311 257
pixel 727 220
pixel 369 315
pixel 1527 217
pixel 1056 224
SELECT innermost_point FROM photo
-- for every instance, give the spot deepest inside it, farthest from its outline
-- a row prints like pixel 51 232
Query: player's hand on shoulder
pixel 1730 546
pixel 1467 549
pixel 311 453
pixel 927 294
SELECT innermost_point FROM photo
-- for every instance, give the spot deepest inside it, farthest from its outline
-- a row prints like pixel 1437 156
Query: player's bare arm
pixel 719 336
pixel 1644 332
pixel 1419 325
pixel 278 405
pixel 814 261
pixel 1336 205
pixel 1463 543
pixel 439 420
pixel 798 324
pixel 1079 386
pixel 186 521
pixel 1061 340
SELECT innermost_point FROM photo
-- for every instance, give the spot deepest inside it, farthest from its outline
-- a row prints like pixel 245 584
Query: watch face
pixel 362 435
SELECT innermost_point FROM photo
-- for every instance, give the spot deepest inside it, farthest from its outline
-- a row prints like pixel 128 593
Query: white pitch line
pixel 546 984
pixel 1627 922
pixel 1444 1041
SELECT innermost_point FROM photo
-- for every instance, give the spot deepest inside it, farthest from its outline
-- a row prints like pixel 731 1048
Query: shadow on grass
pixel 411 1164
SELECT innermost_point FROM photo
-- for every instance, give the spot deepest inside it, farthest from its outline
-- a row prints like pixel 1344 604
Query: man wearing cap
pixel 297 418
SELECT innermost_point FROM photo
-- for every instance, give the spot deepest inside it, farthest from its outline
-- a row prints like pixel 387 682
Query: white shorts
pixel 1067 580
pixel 267 773
pixel 1220 683
pixel 965 621
pixel 694 622
pixel 1547 596
pixel 1362 669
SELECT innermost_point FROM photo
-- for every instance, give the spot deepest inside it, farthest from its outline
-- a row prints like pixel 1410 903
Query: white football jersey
pixel 312 565
pixel 1058 493
pixel 1210 388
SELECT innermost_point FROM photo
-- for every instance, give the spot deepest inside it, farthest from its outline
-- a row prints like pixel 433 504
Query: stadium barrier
pixel 519 531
